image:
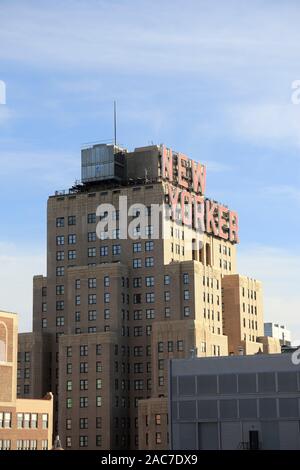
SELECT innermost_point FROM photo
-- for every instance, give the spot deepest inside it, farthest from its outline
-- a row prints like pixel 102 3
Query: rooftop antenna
pixel 115 122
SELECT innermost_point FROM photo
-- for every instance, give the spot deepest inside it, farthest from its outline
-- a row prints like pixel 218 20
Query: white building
pixel 275 330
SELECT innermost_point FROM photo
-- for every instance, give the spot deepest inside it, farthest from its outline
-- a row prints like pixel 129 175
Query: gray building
pixel 235 402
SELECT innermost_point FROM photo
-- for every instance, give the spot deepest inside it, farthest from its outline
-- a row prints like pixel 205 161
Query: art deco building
pixel 114 309
pixel 25 424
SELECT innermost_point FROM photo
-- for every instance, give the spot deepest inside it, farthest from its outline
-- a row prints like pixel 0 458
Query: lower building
pixel 235 402
pixel 280 332
pixel 25 424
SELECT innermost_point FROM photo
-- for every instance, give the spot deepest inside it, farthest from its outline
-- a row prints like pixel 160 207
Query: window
pixel 160 347
pixel 158 420
pixel 136 263
pixel 60 222
pixel 149 230
pixel 83 350
pixel 83 367
pixel 60 240
pixel 83 402
pixel 137 247
pixel 149 262
pixel 137 298
pixel 92 299
pixel 149 246
pixel 60 321
pixel 83 384
pixel 98 422
pixel 150 314
pixel 185 278
pixel 106 281
pixel 170 346
pixel 98 401
pixel 71 239
pixel 161 381
pixel 44 323
pixel 180 345
pixel 186 311
pixel 98 384
pixel 167 296
pixel 44 421
pixel 69 385
pixel 167 280
pixel 167 312
pixel 137 282
pixel 186 295
pixel 91 236
pixel 72 220
pixel 103 250
pixel 77 299
pixel 98 366
pixel 98 440
pixel 60 271
pixel 138 385
pixel 149 281
pixel 72 254
pixel 92 315
pixel 106 297
pixel 161 364
pixel 138 351
pixel 91 252
pixel 106 314
pixel 116 234
pixel 91 218
pixel 137 315
pixel 150 298
pixel 60 255
pixel 83 441
pixel 138 367
pixel 60 290
pixel 98 349
pixel 116 250
pixel 92 283
pixel 138 331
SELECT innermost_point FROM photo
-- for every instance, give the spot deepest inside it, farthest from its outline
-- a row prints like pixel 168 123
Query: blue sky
pixel 209 78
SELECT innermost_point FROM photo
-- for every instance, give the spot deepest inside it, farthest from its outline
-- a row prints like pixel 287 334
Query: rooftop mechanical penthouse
pixel 113 310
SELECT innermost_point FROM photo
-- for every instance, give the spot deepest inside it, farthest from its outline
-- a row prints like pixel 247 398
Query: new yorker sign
pixel 186 197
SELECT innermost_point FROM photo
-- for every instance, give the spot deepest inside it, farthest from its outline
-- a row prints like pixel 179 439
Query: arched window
pixel 3 342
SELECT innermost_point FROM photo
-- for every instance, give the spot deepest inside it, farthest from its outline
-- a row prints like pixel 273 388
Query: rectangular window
pixel 137 247
pixel 106 281
pixel 60 271
pixel 136 263
pixel 98 384
pixel 91 218
pixel 44 421
pixel 180 345
pixel 106 297
pixel 83 423
pixel 170 346
pixel 77 299
pixel 60 290
pixel 103 250
pixel 83 441
pixel 92 315
pixel 186 311
pixel 185 278
pixel 167 296
pixel 71 239
pixel 149 262
pixel 72 220
pixel 116 250
pixel 83 384
pixel 149 280
pixel 137 315
pixel 167 312
pixel 60 255
pixel 150 297
pixel 60 222
pixel 83 350
pixel 98 401
pixel 167 280
pixel 91 236
pixel 60 240
pixel 69 385
pixel 72 254
pixel 149 245
pixel 60 321
pixel 92 283
pixel 98 349
pixel 150 313
pixel 92 252
pixel 137 282
pixel 92 299
pixel 186 295
pixel 160 347
pixel 83 402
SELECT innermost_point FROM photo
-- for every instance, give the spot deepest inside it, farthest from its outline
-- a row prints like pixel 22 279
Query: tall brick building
pixel 113 309
pixel 25 424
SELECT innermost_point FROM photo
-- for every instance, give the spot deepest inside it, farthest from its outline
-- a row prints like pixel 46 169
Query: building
pixel 239 402
pixel 25 424
pixel 275 330
pixel 128 289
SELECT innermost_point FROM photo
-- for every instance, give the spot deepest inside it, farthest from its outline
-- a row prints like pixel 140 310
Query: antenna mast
pixel 115 122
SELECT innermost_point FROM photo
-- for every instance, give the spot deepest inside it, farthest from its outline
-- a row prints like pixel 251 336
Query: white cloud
pixel 279 270
pixel 19 265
